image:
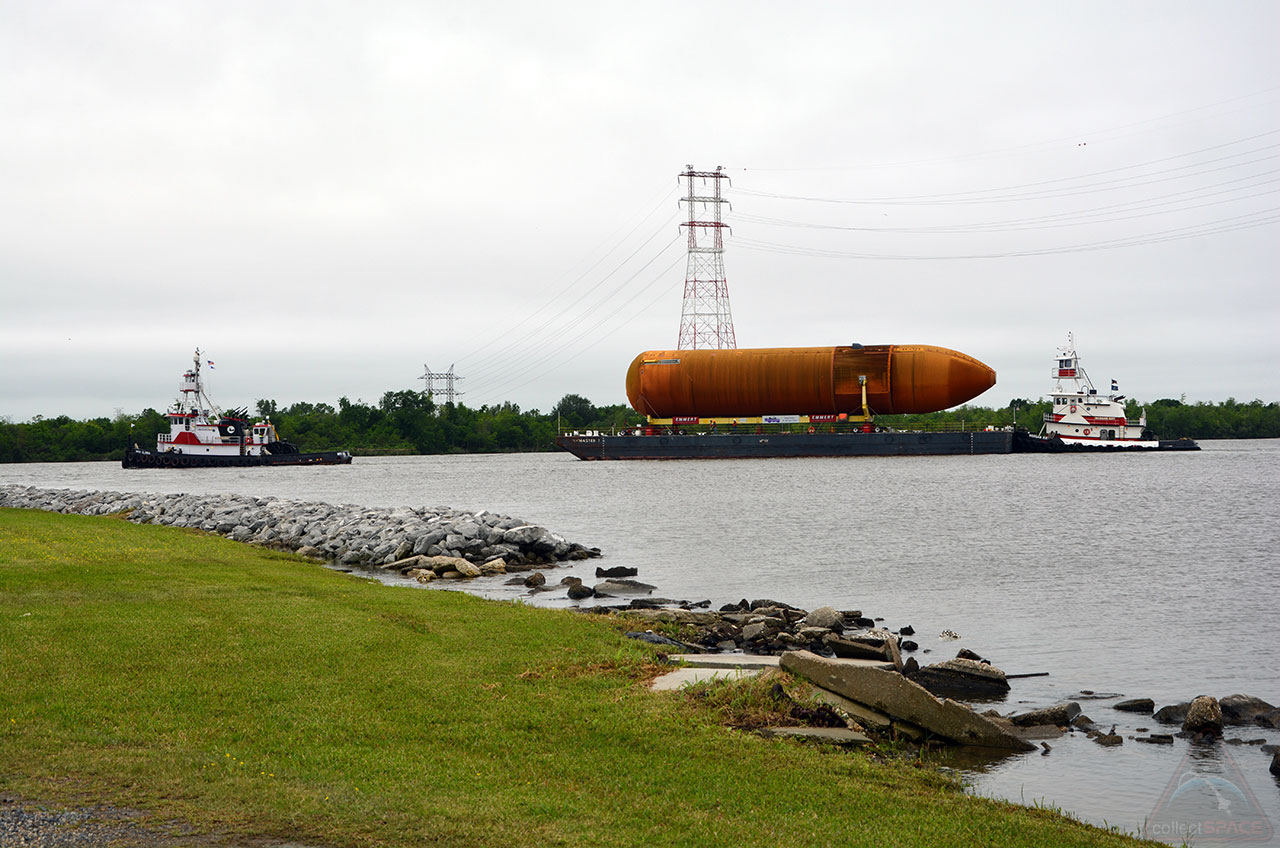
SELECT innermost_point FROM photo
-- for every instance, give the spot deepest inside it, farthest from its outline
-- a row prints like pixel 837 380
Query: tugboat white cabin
pixel 1081 416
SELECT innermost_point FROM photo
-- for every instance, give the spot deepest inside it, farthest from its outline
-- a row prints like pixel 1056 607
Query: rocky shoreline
pixel 440 543
pixel 346 534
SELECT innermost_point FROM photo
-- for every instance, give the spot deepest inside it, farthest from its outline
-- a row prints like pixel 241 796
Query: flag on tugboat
pixel 1115 387
pixel 210 361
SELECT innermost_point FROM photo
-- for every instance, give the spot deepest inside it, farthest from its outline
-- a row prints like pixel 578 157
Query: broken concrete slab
pixel 828 735
pixel 688 676
pixel 873 720
pixel 895 695
pixel 853 649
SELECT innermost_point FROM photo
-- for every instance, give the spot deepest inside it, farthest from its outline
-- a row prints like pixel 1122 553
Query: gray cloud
pixel 326 196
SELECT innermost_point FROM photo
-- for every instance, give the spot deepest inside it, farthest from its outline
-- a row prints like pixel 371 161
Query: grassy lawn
pixel 247 692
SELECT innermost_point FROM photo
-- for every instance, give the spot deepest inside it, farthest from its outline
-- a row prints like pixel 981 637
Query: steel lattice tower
pixel 705 319
pixel 446 379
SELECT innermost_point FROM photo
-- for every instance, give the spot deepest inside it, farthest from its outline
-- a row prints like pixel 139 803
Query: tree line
pixel 411 422
pixel 1168 418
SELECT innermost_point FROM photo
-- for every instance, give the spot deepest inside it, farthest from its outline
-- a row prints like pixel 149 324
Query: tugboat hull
pixel 1024 442
pixel 135 458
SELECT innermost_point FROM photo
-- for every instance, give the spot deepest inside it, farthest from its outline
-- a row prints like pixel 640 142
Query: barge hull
pixel 134 458
pixel 750 446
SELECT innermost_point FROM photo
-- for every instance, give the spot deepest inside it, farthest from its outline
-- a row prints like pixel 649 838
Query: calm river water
pixel 1146 575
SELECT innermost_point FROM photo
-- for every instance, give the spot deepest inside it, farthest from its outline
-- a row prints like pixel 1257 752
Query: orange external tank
pixel 746 382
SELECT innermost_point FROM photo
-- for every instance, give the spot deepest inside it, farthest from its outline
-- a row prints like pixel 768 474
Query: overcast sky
pixel 325 197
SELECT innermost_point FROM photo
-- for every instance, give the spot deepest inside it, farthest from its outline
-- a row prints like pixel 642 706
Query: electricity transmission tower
pixel 705 319
pixel 445 379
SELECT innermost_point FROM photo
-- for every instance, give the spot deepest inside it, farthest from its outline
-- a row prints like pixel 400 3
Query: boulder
pixel 759 630
pixel 1136 705
pixel 1059 715
pixel 963 678
pixel 1172 714
pixel 524 535
pixel 535 579
pixel 827 617
pixel 406 564
pixel 1243 709
pixel 621 587
pixel 1204 717
pixel 441 564
pixel 422 575
pixel 580 591
pixel 892 694
pixel 1271 719
pixel 617 571
pixel 1275 763
pixel 310 552
pixel 490 567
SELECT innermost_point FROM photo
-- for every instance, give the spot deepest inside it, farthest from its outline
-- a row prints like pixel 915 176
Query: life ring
pixel 1073 407
pixel 811 430
pixel 1086 431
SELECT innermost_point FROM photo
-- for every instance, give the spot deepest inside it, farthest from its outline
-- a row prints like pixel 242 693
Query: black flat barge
pixel 753 445
pixel 702 445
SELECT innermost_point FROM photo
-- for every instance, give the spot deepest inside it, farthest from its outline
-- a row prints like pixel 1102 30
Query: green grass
pixel 247 692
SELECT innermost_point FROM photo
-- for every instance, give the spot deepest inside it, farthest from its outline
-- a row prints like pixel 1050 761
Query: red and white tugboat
pixel 203 436
pixel 1083 420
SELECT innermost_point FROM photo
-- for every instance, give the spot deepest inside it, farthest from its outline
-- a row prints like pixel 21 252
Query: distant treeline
pixel 410 422
pixel 1167 418
pixel 405 422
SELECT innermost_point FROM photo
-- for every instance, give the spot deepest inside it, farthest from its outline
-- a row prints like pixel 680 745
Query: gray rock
pixel 1136 705
pixel 1243 709
pixel 535 579
pixel 963 678
pixel 1059 715
pixel 524 535
pixel 1275 763
pixel 492 567
pixel 855 649
pixel 1173 713
pixel 622 587
pixel 827 617
pixel 1271 719
pixel 1204 717
pixel 580 591
pixel 617 571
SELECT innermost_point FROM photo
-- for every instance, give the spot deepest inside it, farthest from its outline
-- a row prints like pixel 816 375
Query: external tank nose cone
pixel 926 378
